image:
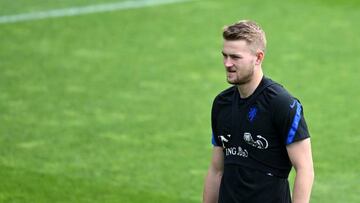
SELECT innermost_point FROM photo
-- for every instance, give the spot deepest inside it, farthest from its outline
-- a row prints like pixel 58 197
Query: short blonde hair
pixel 246 30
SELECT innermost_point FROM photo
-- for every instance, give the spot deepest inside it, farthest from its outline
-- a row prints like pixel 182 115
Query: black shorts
pixel 240 184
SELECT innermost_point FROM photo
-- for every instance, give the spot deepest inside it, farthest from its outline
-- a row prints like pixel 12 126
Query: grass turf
pixel 114 107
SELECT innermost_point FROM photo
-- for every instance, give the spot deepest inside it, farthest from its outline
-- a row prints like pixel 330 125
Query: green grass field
pixel 115 106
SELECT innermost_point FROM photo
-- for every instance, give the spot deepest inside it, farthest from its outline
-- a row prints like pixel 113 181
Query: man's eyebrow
pixel 231 55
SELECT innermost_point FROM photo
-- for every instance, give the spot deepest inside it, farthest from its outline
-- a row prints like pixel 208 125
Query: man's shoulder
pixel 278 91
pixel 279 96
pixel 226 96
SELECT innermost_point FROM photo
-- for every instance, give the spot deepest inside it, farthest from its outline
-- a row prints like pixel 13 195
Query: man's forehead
pixel 236 47
pixel 239 42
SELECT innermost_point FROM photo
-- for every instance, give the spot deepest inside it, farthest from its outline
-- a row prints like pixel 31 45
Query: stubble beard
pixel 241 80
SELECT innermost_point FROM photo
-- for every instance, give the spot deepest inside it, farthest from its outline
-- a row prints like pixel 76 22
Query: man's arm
pixel 301 158
pixel 213 178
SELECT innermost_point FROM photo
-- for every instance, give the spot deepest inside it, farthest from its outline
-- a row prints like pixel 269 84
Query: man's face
pixel 239 61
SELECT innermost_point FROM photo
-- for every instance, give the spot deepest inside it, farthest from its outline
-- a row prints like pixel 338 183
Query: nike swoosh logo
pixel 293 104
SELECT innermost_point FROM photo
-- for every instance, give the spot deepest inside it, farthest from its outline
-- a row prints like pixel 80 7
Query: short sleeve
pixel 214 138
pixel 289 120
pixel 214 141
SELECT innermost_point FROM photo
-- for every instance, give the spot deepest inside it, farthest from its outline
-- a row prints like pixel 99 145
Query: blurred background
pixel 114 105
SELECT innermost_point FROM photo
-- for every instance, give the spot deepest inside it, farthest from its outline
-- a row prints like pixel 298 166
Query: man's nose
pixel 228 62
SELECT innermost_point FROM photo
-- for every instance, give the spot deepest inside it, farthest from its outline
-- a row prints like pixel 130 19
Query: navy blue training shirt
pixel 254 133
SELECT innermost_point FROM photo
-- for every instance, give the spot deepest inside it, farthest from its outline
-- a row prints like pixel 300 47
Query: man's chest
pixel 249 126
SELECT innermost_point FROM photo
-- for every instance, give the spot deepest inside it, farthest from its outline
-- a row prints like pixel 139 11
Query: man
pixel 259 131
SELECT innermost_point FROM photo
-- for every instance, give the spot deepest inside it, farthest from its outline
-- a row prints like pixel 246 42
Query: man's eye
pixel 235 57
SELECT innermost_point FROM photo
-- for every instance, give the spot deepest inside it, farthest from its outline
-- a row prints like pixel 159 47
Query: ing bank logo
pixel 224 139
pixel 260 143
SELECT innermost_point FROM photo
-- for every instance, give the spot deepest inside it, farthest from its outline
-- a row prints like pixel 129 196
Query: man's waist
pixel 255 166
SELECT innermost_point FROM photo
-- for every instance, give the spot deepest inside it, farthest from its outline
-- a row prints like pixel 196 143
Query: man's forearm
pixel 302 185
pixel 211 189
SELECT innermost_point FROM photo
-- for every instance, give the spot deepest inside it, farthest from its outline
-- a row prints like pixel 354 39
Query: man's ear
pixel 259 57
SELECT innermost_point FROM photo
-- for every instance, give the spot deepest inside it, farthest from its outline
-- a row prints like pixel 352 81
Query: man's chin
pixel 237 82
pixel 232 82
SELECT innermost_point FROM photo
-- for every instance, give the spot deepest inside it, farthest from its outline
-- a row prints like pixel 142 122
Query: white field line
pixel 73 11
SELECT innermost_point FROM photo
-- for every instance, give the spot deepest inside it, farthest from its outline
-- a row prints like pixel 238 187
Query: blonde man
pixel 259 131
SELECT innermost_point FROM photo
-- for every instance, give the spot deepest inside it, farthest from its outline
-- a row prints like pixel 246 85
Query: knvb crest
pixel 252 113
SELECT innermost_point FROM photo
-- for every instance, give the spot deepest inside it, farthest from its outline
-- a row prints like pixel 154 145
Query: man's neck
pixel 247 89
